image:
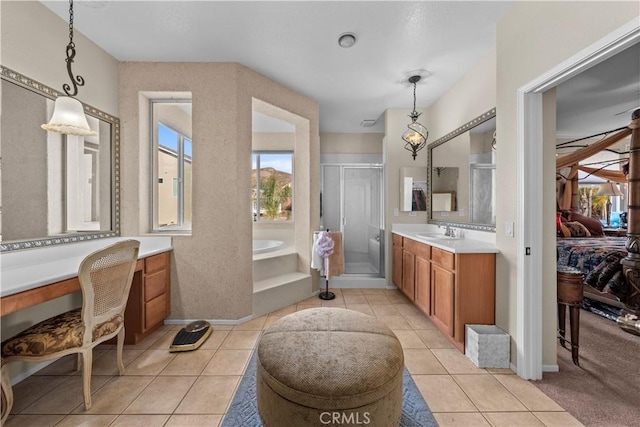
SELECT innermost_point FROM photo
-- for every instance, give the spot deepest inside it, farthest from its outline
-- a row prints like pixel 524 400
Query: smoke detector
pixel 346 40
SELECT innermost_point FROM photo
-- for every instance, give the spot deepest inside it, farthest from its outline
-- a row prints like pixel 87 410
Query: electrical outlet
pixel 412 213
pixel 508 229
pixel 396 212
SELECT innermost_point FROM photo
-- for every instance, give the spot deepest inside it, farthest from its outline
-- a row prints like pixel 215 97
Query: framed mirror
pixel 461 169
pixel 55 188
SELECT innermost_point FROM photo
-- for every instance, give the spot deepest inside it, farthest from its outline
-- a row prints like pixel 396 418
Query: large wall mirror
pixel 461 167
pixel 55 188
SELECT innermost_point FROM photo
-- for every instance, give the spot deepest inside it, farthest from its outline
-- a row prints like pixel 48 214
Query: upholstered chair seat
pixel 56 334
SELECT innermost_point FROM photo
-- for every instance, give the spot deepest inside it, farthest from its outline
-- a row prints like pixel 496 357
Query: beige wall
pixel 33 41
pixel 212 268
pixel 472 95
pixel 351 143
pixel 532 39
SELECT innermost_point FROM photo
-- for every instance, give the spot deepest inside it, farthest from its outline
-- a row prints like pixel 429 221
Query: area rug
pixel 243 411
pixel 603 390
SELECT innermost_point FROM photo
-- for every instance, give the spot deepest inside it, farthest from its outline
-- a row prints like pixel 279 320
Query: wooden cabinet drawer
pixel 155 311
pixel 418 249
pixel 443 258
pixel 397 240
pixel 156 262
pixel 155 284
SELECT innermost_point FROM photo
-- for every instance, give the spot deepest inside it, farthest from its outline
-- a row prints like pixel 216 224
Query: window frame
pixel 155 149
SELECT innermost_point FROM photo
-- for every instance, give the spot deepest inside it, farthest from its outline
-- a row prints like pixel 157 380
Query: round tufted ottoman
pixel 329 366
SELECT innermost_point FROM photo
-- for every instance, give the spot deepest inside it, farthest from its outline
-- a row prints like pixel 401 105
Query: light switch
pixel 396 212
pixel 508 229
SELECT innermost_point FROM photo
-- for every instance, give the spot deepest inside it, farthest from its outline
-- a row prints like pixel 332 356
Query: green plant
pixel 272 196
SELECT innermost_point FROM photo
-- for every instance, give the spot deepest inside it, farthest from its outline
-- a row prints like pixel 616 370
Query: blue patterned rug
pixel 243 411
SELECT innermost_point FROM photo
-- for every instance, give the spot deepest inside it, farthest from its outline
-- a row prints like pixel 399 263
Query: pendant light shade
pixel 415 137
pixel 68 118
pixel 68 114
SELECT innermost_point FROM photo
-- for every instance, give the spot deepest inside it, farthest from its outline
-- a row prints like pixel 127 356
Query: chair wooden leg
pixel 87 363
pixel 7 395
pixel 574 320
pixel 562 313
pixel 120 348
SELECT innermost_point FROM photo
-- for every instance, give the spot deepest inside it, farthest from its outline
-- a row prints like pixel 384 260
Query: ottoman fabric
pixel 329 360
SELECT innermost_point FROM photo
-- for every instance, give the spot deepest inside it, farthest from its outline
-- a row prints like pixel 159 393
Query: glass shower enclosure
pixel 352 202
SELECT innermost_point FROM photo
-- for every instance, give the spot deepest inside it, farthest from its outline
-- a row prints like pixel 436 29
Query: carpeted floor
pixel 605 389
pixel 243 410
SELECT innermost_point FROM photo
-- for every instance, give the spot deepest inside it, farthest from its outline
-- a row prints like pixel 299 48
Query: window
pixel 272 193
pixel 173 155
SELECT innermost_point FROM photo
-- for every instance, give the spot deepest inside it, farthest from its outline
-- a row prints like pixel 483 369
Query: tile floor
pixel 195 388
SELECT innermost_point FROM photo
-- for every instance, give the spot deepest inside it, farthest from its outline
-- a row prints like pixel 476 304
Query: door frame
pixel 529 182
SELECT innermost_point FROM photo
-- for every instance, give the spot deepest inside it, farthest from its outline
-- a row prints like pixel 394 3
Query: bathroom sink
pixel 448 238
pixel 434 236
pixel 429 235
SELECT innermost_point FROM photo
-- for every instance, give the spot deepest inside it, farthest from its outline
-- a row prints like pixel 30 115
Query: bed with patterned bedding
pixel 599 259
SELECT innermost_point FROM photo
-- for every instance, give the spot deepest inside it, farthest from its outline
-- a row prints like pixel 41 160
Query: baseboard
pixel 32 369
pixel 550 368
pixel 212 321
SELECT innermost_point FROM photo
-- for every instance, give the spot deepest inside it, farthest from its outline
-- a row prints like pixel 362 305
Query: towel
pixel 336 258
pixel 322 247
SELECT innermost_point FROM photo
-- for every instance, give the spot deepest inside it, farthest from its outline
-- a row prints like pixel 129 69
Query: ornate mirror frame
pixel 47 92
pixel 462 129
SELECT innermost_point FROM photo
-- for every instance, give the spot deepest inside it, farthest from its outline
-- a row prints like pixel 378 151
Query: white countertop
pixel 459 246
pixel 32 268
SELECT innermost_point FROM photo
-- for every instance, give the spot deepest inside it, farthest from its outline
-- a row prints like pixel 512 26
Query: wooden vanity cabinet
pixel 414 257
pixel 452 289
pixel 150 297
pixel 423 284
pixel 397 261
pixel 443 290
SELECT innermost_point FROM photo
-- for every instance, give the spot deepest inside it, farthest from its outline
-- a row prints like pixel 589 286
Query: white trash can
pixel 487 346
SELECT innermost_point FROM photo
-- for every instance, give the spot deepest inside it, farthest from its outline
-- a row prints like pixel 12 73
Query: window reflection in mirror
pixel 173 157
pixel 462 174
pixel 78 167
pixel 55 188
pixel 413 189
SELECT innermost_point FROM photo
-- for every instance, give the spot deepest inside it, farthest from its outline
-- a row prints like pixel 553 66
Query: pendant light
pixel 68 114
pixel 416 136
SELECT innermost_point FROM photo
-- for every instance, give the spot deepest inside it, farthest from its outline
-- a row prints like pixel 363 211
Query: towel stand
pixel 326 295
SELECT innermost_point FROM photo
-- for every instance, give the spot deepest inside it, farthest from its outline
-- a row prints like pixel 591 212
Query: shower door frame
pixel 343 166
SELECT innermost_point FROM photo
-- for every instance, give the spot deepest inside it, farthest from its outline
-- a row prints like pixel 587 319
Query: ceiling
pixel 601 98
pixel 296 43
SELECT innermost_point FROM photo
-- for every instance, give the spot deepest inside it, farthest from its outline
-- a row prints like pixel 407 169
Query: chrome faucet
pixel 448 231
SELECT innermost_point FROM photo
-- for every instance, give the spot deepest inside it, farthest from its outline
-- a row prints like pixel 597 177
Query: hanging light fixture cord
pixel 71 53
pixel 414 114
pixel 415 137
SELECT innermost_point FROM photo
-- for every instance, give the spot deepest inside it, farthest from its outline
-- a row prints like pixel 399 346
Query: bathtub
pixel 262 246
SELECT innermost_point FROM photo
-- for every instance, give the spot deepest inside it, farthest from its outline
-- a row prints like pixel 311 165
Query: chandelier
pixel 415 137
